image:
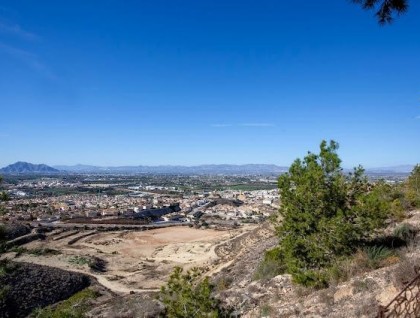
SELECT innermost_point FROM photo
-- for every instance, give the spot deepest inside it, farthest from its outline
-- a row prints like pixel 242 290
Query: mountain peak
pixel 26 167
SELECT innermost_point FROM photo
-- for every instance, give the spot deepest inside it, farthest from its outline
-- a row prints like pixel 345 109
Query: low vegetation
pixel 2 239
pixel 6 267
pixel 39 251
pixel 3 197
pixel 405 272
pixel 190 295
pixel 74 307
pixel 79 260
pixel 43 251
pixel 94 263
pixel 270 266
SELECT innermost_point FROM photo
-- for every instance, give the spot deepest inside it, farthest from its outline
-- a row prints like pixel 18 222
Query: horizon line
pixel 198 165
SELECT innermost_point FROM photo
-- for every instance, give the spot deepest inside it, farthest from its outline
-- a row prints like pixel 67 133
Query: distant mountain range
pixel 201 169
pixel 223 169
pixel 211 169
pixel 26 167
pixel 393 169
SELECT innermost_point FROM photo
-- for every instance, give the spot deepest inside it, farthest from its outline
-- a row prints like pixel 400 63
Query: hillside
pixel 358 291
pixel 26 167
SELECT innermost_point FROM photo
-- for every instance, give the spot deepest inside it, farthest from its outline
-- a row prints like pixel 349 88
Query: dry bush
pixel 266 311
pixel 362 285
pixel 326 296
pixel 362 261
pixel 348 268
pixel 405 272
pixel 222 283
pixel 302 291
pixel 405 232
pixel 367 307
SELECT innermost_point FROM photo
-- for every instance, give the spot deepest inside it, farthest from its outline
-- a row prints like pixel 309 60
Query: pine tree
pixel 385 9
pixel 323 213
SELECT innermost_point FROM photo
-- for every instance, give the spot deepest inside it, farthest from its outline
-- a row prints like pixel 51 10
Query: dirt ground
pixel 135 261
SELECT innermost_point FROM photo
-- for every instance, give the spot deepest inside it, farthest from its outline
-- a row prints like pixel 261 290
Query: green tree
pixel 385 9
pixel 413 185
pixel 414 179
pixel 3 195
pixel 323 213
pixel 187 295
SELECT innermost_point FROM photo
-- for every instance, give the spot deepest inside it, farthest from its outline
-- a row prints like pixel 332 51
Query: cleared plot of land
pixel 134 261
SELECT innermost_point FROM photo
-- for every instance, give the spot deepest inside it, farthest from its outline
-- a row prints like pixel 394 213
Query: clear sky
pixel 194 82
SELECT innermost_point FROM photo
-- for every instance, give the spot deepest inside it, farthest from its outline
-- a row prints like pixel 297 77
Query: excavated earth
pixel 29 286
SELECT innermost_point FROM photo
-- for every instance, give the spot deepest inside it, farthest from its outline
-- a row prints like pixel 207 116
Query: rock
pixel 342 292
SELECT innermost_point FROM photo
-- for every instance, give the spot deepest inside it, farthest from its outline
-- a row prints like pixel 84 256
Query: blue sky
pixel 194 82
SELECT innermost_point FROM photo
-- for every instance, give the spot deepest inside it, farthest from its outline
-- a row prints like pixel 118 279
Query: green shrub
pixel 398 210
pixel 405 232
pixel 6 267
pixel 79 260
pixel 223 283
pixel 362 261
pixel 187 295
pixel 271 266
pixel 376 255
pixel 4 290
pixel 43 251
pixel 97 264
pixel 413 184
pixel 310 278
pixel 266 310
pixel 19 250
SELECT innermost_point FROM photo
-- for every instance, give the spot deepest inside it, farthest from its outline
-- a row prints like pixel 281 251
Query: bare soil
pixel 135 261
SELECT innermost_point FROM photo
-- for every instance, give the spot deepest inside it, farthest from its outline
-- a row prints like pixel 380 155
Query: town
pixel 209 201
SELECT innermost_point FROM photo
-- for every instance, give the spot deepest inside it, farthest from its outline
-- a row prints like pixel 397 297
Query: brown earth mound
pixel 25 287
pixel 14 230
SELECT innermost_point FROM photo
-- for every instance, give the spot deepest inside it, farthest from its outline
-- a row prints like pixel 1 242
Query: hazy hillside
pixel 26 167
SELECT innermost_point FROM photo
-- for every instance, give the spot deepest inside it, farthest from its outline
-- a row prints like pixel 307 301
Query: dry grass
pixel 405 272
pixel 363 261
pixel 368 307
